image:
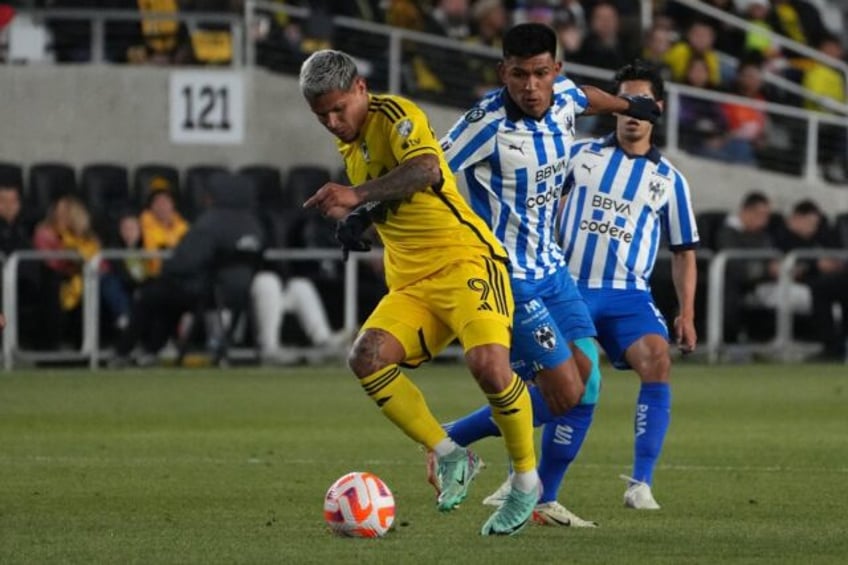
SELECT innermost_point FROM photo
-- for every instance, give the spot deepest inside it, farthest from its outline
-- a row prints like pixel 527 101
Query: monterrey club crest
pixel 545 337
pixel 474 115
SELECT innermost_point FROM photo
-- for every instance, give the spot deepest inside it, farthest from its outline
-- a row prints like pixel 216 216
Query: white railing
pixel 782 348
pixel 777 39
pixel 97 20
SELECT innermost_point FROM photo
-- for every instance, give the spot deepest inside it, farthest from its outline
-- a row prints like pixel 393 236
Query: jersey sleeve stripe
pixel 480 139
pixel 681 201
pixel 395 106
pixel 386 109
pixel 416 151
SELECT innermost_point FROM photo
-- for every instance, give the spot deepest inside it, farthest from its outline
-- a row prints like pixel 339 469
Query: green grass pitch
pixel 198 466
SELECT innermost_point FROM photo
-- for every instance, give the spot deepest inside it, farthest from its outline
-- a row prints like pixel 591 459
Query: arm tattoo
pixel 403 181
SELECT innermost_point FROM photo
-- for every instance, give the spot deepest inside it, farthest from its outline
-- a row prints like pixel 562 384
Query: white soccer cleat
pixel 638 495
pixel 498 497
pixel 555 514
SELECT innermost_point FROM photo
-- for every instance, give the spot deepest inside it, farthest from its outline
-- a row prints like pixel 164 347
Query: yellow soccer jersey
pixel 433 227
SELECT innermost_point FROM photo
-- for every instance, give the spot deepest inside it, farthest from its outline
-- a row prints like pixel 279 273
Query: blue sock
pixel 479 424
pixel 473 427
pixel 561 441
pixel 653 413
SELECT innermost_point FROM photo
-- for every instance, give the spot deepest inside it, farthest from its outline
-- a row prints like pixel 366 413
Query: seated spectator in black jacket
pixel 16 235
pixel 213 264
pixel 829 288
pixel 746 229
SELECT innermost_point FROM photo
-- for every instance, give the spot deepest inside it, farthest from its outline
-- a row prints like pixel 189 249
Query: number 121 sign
pixel 207 107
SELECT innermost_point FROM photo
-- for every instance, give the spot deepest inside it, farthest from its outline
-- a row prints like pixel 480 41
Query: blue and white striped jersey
pixel 617 205
pixel 513 167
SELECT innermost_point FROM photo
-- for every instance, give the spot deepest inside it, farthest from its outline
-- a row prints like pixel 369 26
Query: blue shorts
pixel 549 314
pixel 623 317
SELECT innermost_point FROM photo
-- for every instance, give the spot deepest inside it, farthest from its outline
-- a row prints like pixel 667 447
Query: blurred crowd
pixel 213 286
pixel 695 49
pixel 692 48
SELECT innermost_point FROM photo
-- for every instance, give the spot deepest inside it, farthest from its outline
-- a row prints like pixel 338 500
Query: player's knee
pixel 654 365
pixel 490 366
pixel 373 350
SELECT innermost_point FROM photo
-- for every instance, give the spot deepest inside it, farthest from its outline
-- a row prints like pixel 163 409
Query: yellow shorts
pixel 470 300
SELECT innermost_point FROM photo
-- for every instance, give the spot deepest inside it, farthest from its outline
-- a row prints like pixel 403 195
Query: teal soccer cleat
pixel 454 475
pixel 513 514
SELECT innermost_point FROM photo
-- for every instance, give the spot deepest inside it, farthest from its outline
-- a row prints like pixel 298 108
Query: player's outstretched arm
pixel 337 200
pixel 601 102
pixel 684 274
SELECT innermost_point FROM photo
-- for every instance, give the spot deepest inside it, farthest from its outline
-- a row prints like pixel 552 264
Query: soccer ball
pixel 359 505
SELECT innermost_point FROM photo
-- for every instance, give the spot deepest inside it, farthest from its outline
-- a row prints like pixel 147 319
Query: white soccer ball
pixel 359 505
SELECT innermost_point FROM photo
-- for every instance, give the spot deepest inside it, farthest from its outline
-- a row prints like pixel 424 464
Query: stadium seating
pixel 267 184
pixel 196 180
pixel 47 182
pixel 12 174
pixel 709 222
pixel 303 181
pixel 105 189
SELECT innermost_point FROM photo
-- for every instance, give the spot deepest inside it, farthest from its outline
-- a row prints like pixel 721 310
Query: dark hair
pixel 641 70
pixel 754 198
pixel 529 40
pixel 806 207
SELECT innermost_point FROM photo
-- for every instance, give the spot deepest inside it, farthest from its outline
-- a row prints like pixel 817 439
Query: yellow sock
pixel 402 403
pixel 513 413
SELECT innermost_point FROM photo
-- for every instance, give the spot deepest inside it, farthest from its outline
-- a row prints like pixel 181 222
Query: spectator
pixel 273 298
pixel 165 40
pixel 162 227
pixel 489 19
pixel 746 229
pixel 746 125
pixel 728 38
pixel 68 227
pixel 798 20
pixel 656 44
pixel 15 235
pixel 602 46
pixel 131 271
pixel 569 34
pixel 212 266
pixel 452 18
pixel 759 40
pixel 699 43
pixel 831 288
pixel 829 83
pixel 701 122
pixel 805 228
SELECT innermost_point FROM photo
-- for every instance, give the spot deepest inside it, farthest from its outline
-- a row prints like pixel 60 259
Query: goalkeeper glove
pixel 349 233
pixel 642 108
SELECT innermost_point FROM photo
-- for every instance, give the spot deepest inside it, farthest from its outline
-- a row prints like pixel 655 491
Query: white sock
pixel 445 447
pixel 526 482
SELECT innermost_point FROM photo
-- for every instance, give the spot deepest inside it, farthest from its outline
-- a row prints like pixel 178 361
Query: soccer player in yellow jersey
pixel 446 274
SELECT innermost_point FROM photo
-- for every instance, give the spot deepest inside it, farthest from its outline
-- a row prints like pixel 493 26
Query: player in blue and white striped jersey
pixel 512 150
pixel 621 194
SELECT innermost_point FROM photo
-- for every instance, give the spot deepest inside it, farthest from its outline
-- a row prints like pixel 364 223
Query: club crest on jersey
pixel 475 115
pixel 404 127
pixel 365 154
pixel 545 337
pixel 657 189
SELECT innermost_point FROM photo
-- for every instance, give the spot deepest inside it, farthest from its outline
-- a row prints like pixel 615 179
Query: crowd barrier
pixel 783 347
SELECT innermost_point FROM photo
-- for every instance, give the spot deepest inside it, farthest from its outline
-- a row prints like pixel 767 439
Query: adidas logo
pixel 484 307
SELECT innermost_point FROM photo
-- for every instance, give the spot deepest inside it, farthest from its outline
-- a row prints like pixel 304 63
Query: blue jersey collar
pixel 514 113
pixel 652 155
